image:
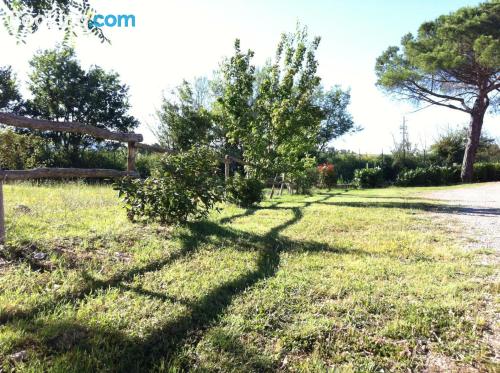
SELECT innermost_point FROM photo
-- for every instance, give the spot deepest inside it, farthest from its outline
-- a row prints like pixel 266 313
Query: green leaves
pixel 272 113
pixel 62 90
pixel 185 186
pixel 487 50
pixel 184 122
pixel 337 120
pixel 244 192
pixel 454 61
pixel 57 11
pixel 369 178
pixel 10 97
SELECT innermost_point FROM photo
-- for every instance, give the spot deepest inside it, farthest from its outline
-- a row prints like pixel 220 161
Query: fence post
pixel 226 168
pixel 2 216
pixel 131 157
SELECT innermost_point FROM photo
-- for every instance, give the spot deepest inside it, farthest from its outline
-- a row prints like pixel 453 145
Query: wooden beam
pixel 74 127
pixel 153 148
pixel 237 160
pixel 63 173
pixel 2 216
pixel 160 149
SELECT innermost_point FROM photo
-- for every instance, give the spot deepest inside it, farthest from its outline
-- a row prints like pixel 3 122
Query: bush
pixel 185 187
pixel 327 175
pixel 486 172
pixel 100 158
pixel 346 163
pixel 19 152
pixel 244 192
pixel 146 164
pixel 429 176
pixel 369 178
pixel 304 180
pixel 303 175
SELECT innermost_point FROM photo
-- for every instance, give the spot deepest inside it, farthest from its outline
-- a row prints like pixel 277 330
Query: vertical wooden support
pixel 226 168
pixel 2 216
pixel 282 184
pixel 271 194
pixel 131 157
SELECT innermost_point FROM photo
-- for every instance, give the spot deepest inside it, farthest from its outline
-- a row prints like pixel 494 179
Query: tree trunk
pixel 474 134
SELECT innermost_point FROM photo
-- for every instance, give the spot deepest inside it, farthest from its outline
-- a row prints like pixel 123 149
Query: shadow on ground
pixel 116 351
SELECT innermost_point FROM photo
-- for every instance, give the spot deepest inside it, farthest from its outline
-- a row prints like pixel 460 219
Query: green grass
pixel 355 281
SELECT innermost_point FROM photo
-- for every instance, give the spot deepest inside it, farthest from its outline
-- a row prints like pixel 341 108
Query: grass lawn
pixel 358 281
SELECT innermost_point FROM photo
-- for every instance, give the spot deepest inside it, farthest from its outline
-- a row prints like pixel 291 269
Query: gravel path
pixel 478 209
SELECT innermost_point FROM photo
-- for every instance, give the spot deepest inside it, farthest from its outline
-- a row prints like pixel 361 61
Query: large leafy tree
pixel 233 109
pixel 10 97
pixel 337 121
pixel 453 61
pixel 184 120
pixel 63 91
pixel 274 118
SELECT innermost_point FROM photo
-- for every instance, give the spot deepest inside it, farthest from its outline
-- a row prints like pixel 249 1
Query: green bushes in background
pixel 369 178
pixel 429 176
pixel 19 152
pixel 146 164
pixel 486 172
pixel 447 175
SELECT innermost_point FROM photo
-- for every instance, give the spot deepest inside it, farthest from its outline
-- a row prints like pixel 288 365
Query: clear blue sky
pixel 174 40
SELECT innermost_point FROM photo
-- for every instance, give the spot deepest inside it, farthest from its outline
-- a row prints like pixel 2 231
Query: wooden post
pixel 131 157
pixel 282 184
pixel 226 168
pixel 271 195
pixel 2 216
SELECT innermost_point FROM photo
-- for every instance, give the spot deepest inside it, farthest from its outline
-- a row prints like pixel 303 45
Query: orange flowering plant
pixel 327 176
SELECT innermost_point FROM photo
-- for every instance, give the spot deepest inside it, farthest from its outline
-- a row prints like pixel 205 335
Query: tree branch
pixel 419 96
pixel 419 90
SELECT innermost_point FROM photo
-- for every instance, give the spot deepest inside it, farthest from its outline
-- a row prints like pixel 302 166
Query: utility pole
pixel 405 142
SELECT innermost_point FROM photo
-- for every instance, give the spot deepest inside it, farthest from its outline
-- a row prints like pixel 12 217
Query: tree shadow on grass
pixel 92 285
pixel 424 206
pixel 163 344
pixel 118 351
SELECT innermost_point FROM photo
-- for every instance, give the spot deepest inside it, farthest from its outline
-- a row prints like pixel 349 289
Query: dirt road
pixel 478 209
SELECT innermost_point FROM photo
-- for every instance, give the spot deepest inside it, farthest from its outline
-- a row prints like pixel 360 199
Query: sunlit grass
pixel 357 280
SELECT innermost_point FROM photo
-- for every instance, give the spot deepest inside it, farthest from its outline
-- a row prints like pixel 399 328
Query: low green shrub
pixel 302 182
pixel 19 152
pixel 369 178
pixel 486 172
pixel 429 176
pixel 185 187
pixel 244 192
